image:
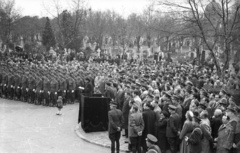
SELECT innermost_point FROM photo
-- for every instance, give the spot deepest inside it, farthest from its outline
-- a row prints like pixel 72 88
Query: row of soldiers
pixel 40 84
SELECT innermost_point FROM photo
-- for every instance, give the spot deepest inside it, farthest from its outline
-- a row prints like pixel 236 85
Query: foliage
pixel 67 28
pixel 153 27
pixel 8 15
pixel 28 28
pixel 48 39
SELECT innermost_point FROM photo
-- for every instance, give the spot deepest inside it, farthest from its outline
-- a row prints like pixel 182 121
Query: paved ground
pixel 27 128
pixel 100 138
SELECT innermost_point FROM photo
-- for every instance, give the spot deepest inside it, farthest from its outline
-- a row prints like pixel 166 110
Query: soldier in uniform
pixel 10 86
pixel 17 86
pixel 53 92
pixel 63 89
pixel 32 89
pixel 39 90
pixel 1 85
pixel 88 87
pixel 4 83
pixel 151 144
pixel 71 88
pixel 46 91
pixel 77 90
pixel 24 82
pixel 67 91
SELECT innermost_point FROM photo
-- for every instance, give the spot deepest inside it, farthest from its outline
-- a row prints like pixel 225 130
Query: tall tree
pixel 216 21
pixel 8 16
pixel 48 38
pixel 67 28
pixel 69 24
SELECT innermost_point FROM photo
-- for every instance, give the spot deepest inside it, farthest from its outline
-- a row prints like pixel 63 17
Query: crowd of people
pixel 185 107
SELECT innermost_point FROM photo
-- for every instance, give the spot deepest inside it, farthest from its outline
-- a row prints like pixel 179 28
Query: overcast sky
pixel 40 7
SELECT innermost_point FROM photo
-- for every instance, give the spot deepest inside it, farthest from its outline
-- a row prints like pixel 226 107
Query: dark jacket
pixel 160 133
pixel 88 89
pixel 115 119
pixel 173 125
pixel 215 124
pixel 136 124
pixel 39 84
pixel 109 94
pixel 120 99
pixel 149 118
pixel 125 110
pixel 194 141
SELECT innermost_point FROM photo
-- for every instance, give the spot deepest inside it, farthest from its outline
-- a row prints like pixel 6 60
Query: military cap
pixel 167 94
pixel 88 79
pixel 231 109
pixel 204 90
pixel 150 95
pixel 188 88
pixel 223 101
pixel 175 97
pixel 165 113
pixel 138 84
pixel 172 107
pixel 203 105
pixel 195 90
pixel 189 83
pixel 223 91
pixel 152 139
pixel 113 103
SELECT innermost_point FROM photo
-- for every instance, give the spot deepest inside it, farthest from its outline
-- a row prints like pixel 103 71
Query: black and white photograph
pixel 119 76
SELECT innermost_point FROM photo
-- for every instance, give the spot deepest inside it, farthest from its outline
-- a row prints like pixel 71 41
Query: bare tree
pixel 78 11
pixel 216 23
pixel 9 15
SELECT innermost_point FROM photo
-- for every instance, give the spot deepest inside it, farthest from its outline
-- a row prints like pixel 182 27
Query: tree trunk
pixel 216 63
pixel 227 58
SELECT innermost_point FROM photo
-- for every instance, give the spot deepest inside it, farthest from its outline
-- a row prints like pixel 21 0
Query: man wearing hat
pixel 225 139
pixel 71 90
pixel 148 99
pixel 202 106
pixel 115 119
pixel 173 128
pixel 120 96
pixel 176 102
pixel 39 90
pixel 17 86
pixel 32 89
pixel 149 118
pixel 135 128
pixel 223 95
pixel 151 144
pixel 24 87
pixel 109 92
pixel 125 110
pixel 88 91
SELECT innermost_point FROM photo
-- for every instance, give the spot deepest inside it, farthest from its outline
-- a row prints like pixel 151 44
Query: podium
pixel 93 113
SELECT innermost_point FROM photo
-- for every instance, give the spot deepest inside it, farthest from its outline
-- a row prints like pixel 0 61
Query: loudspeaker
pixel 94 114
